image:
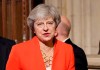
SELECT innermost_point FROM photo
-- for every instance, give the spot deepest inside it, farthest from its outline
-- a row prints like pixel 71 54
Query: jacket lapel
pixel 59 57
pixel 38 61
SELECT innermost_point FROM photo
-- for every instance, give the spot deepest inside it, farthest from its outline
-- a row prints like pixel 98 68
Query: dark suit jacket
pixel 80 57
pixel 5 47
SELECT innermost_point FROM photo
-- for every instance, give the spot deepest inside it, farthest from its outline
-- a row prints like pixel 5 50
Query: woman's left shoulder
pixel 65 45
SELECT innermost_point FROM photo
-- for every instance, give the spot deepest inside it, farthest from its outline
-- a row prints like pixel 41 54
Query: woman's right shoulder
pixel 22 46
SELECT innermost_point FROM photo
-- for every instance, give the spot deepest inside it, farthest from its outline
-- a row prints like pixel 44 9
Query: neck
pixel 46 46
pixel 49 43
pixel 47 51
pixel 61 38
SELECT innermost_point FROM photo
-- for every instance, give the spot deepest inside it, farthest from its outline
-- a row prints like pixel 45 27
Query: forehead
pixel 44 19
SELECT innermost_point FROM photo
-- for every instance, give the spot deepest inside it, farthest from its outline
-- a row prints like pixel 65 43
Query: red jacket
pixel 27 56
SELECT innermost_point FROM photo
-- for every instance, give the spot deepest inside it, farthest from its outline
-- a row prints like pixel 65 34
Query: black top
pixel 5 47
pixel 80 57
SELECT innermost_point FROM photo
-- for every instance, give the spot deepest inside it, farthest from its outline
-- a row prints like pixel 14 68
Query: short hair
pixel 43 11
pixel 66 27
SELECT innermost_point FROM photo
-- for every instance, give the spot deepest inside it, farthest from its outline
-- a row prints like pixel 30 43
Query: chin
pixel 47 40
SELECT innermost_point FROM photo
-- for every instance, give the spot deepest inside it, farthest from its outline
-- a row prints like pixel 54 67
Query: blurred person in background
pixel 63 31
pixel 5 47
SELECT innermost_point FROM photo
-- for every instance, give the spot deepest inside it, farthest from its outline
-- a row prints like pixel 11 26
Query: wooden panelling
pixel 4 17
pixel 14 19
pixel 19 32
pixel 25 11
pixel 0 18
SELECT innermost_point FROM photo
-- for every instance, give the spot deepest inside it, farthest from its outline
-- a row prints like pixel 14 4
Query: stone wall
pixel 85 18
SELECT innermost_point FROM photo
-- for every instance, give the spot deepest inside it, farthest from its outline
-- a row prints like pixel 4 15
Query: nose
pixel 45 28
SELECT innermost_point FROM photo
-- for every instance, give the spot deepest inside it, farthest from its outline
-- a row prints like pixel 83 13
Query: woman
pixel 43 52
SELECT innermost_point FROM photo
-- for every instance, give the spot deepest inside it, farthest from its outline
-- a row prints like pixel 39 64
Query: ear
pixel 56 33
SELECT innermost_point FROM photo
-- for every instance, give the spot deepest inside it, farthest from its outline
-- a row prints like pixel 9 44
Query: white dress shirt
pixel 65 39
pixel 48 68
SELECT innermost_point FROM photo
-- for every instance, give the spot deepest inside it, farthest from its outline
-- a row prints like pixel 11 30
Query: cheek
pixel 36 30
pixel 53 29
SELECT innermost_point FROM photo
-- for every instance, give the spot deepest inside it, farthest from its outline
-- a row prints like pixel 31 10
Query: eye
pixel 39 23
pixel 50 22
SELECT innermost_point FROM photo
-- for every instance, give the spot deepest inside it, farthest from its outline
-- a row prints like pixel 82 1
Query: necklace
pixel 47 56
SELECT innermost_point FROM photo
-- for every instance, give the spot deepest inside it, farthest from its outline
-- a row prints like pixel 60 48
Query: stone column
pixel 58 4
pixel 77 22
pixel 87 26
pixel 78 11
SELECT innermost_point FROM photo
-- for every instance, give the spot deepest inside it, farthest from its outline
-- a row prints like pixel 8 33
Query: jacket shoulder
pixel 65 45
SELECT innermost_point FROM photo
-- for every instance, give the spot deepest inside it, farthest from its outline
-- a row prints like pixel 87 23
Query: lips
pixel 46 34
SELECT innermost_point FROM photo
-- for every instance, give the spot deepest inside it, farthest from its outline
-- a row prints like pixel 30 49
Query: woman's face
pixel 45 29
